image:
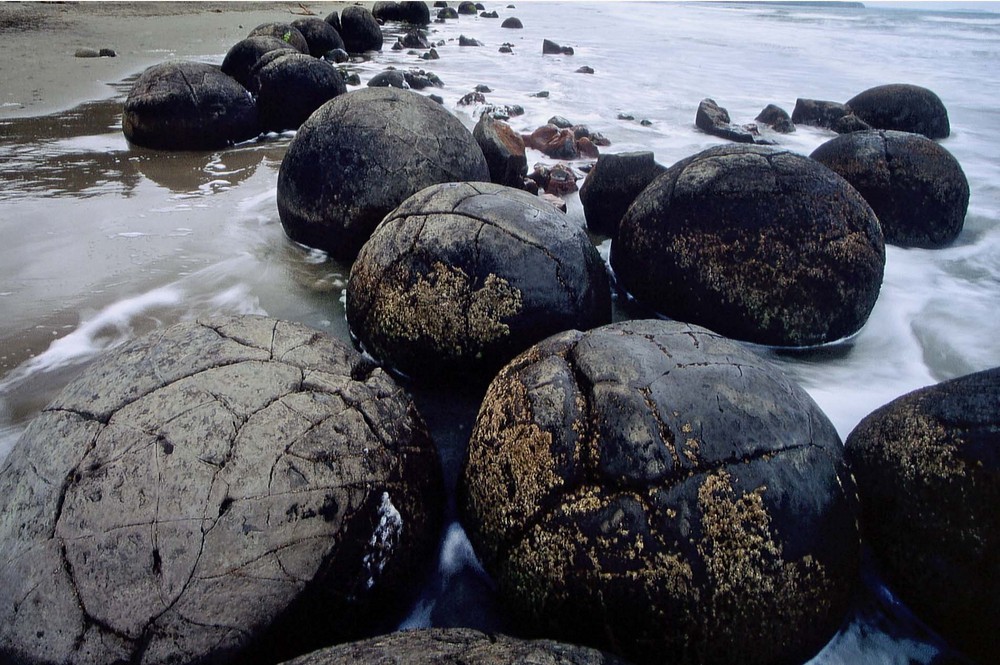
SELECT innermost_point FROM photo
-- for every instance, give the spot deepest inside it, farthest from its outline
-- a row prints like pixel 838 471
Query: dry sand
pixel 39 73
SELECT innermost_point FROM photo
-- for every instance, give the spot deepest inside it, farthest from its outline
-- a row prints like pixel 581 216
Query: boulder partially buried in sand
pixel 916 188
pixel 656 490
pixel 359 30
pixel 359 156
pixel 928 471
pixel 902 107
pixel 235 490
pixel 188 106
pixel 292 87
pixel 464 276
pixel 755 243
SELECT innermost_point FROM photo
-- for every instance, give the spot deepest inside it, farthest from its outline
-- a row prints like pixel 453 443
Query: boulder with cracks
pixel 235 490
pixel 656 490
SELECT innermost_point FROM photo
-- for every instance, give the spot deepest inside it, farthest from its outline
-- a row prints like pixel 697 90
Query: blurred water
pixel 103 241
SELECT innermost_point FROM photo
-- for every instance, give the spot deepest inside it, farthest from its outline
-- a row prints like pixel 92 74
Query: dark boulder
pixel 464 276
pixel 415 38
pixel 333 18
pixel 337 55
pixel 333 187
pixel 319 35
pixel 292 87
pixel 468 8
pixel 549 47
pixel 612 185
pixel 503 149
pixel 283 31
pixel 188 106
pixel 755 243
pixel 468 41
pixel 818 113
pixel 416 79
pixel 849 123
pixel 652 488
pixel 447 12
pixel 389 78
pixel 916 188
pixel 244 54
pixel 928 471
pixel 236 490
pixel 492 14
pixel 904 108
pixel 458 646
pixel 713 119
pixel 776 118
pixel 387 11
pixel 414 11
pixel 359 30
pixel 264 61
pixel 512 23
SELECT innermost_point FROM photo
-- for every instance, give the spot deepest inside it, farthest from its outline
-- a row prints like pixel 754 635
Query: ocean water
pixel 103 242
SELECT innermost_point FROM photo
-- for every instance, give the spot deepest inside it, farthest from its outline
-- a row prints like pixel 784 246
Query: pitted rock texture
pixel 916 188
pixel 902 107
pixel 656 490
pixel 464 276
pixel 237 490
pixel 361 155
pixel 455 646
pixel 180 105
pixel 755 243
pixel 928 471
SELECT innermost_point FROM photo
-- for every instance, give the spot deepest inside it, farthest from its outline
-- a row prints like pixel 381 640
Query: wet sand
pixel 40 74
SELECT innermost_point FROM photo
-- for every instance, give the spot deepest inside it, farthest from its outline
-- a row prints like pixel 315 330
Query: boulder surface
pixel 902 107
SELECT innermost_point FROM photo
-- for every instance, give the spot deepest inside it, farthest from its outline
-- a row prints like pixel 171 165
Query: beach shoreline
pixel 40 73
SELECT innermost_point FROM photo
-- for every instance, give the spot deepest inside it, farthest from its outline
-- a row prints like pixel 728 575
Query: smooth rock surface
pixel 903 107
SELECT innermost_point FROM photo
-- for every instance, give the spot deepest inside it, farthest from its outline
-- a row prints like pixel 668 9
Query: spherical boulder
pixel 755 243
pixel 512 23
pixel 928 471
pixel 319 35
pixel 233 490
pixel 359 30
pixel 441 646
pixel 659 491
pixel 466 7
pixel 462 277
pixel 244 55
pixel 916 188
pixel 291 88
pixel 333 18
pixel 188 106
pixel 612 185
pixel 285 32
pixel 904 108
pixel 359 156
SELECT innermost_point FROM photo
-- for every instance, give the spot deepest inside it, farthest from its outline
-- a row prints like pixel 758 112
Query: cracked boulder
pixel 755 243
pixel 180 105
pixel 362 154
pixel 243 57
pixel 654 489
pixel 903 107
pixel 455 646
pixel 928 471
pixel 464 276
pixel 236 490
pixel 916 188
pixel 292 87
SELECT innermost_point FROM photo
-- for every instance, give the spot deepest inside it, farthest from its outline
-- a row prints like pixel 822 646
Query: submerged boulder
pixel 512 23
pixel 283 31
pixel 916 188
pixel 408 12
pixel 829 115
pixel 503 149
pixel 319 35
pixel 549 47
pixel 463 276
pixel 755 243
pixel 359 30
pixel 776 118
pixel 244 55
pixel 188 106
pixel 359 156
pixel 928 471
pixel 903 107
pixel 233 490
pixel 292 87
pixel 659 491
pixel 611 186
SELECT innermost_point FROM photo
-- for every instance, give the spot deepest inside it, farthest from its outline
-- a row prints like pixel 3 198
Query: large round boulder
pixel 188 106
pixel 916 188
pixel 611 186
pixel 755 243
pixel 464 276
pixel 235 490
pixel 359 156
pixel 904 108
pixel 242 57
pixel 928 471
pixel 442 646
pixel 321 36
pixel 657 490
pixel 290 88
pixel 286 32
pixel 359 30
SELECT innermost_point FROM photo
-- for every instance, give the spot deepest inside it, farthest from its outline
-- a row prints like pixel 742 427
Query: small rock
pixel 560 122
pixel 108 53
pixel 543 94
pixel 468 41
pixel 87 53
pixel 337 55
pixel 549 47
pixel 489 15
pixel 471 98
pixel 505 49
pixel 431 55
pixel 585 70
pixel 776 118
pixel 512 23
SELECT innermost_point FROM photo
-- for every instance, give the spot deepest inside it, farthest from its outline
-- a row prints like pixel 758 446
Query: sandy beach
pixel 40 74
